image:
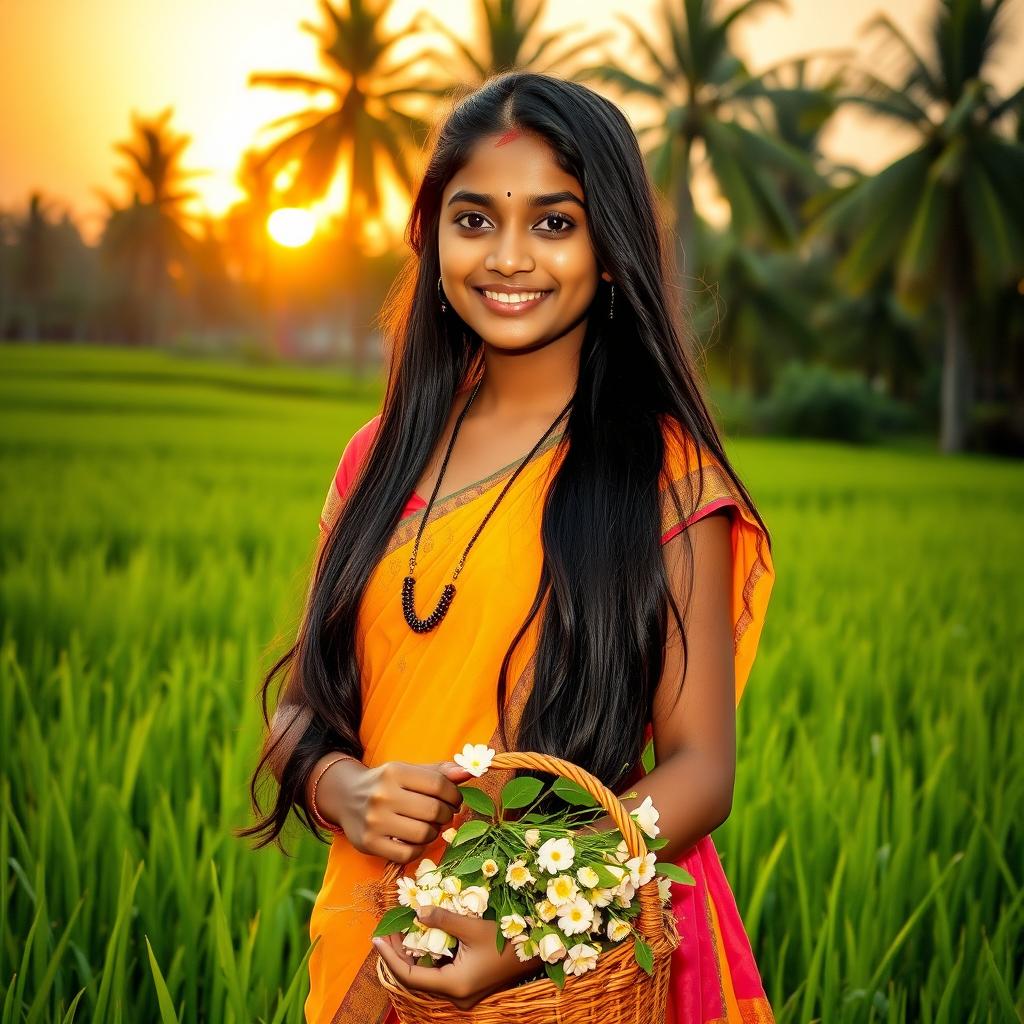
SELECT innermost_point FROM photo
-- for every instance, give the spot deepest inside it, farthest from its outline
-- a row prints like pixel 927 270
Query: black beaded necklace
pixel 417 624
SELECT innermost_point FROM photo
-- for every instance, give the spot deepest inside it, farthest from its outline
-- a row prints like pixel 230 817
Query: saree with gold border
pixel 426 695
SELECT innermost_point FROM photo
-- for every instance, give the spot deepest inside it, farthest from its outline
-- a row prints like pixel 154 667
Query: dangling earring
pixel 440 295
pixel 611 304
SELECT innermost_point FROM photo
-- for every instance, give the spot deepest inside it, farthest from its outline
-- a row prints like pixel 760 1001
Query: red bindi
pixel 510 136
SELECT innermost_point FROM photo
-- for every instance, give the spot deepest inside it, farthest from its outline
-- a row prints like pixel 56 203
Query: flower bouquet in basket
pixel 562 893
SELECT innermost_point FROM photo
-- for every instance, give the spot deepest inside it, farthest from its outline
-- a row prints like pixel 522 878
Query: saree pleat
pixel 426 695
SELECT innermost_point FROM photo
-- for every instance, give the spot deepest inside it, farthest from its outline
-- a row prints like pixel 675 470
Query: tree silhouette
pixel 148 240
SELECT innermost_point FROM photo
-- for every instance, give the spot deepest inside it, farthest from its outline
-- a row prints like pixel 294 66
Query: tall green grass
pixel 157 521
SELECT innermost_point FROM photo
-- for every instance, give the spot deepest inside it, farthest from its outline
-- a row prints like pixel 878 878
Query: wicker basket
pixel 617 991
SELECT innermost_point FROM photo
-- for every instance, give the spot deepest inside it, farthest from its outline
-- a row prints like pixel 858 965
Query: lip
pixel 510 308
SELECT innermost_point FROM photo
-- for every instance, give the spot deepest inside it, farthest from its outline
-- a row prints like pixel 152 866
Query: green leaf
pixel 470 830
pixel 478 800
pixel 573 793
pixel 556 972
pixel 500 940
pixel 397 919
pixel 535 817
pixel 520 792
pixel 605 879
pixel 647 757
pixel 655 844
pixel 643 954
pixel 675 872
pixel 469 866
pixel 163 996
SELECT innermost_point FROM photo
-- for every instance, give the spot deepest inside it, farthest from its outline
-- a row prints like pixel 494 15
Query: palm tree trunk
pixel 956 360
pixel 685 248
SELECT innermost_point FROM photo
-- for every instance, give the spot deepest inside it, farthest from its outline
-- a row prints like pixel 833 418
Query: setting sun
pixel 291 226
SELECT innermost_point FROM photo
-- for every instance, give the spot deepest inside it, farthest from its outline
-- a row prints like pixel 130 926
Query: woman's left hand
pixel 478 968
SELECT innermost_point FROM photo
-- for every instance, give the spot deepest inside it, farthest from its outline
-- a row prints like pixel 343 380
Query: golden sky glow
pixel 71 73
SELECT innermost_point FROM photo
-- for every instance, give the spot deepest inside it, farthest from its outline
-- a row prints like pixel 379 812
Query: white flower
pixel 406 887
pixel 451 885
pixel 556 855
pixel 429 879
pixel 622 852
pixel 646 816
pixel 490 868
pixel 474 899
pixel 551 948
pixel 561 890
pixel 525 947
pixel 624 893
pixel 517 874
pixel 617 930
pixel 413 941
pixel 595 925
pixel 665 889
pixel 512 925
pixel 475 758
pixel 576 916
pixel 448 834
pixel 641 871
pixel 437 943
pixel 424 866
pixel 432 897
pixel 532 836
pixel 546 910
pixel 580 958
pixel 600 897
pixel 588 877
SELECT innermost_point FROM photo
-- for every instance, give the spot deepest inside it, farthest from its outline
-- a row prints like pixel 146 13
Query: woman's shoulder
pixel 348 466
pixel 693 480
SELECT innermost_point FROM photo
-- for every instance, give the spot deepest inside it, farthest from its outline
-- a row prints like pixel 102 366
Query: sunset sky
pixel 71 74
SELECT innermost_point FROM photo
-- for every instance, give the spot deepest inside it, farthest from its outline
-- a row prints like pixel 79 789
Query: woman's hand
pixel 395 810
pixel 478 968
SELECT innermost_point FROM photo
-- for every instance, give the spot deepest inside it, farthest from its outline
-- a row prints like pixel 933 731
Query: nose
pixel 509 255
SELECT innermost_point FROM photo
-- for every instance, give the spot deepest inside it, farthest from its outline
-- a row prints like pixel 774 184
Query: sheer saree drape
pixel 426 695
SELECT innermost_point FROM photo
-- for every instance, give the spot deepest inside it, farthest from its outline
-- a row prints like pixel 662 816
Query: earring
pixel 611 304
pixel 440 296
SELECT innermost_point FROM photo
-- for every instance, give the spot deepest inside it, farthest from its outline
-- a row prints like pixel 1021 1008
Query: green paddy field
pixel 158 516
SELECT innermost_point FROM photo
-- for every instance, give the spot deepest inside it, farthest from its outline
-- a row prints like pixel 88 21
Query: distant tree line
pixel 832 302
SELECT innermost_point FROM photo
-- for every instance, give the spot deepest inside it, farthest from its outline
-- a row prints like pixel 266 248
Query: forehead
pixel 523 165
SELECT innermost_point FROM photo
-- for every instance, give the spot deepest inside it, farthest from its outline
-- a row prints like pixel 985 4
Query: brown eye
pixel 472 227
pixel 564 224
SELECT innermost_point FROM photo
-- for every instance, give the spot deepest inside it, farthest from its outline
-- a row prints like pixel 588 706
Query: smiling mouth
pixel 511 302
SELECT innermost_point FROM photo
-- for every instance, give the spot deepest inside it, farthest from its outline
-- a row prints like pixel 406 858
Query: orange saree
pixel 407 676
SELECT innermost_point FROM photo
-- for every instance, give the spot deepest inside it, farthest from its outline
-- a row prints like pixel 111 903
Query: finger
pixel 426 979
pixel 463 926
pixel 395 849
pixel 410 830
pixel 424 808
pixel 395 941
pixel 429 779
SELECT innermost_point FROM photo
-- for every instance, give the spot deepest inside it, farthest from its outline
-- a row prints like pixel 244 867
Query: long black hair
pixel 603 593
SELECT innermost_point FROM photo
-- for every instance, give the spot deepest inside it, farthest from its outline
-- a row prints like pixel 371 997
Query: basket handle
pixel 650 900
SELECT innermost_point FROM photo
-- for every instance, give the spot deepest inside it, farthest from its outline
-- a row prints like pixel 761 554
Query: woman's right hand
pixel 395 810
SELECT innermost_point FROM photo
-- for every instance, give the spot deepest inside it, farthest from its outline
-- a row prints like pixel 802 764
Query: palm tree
pixel 709 100
pixel 507 39
pixel 148 239
pixel 948 216
pixel 362 127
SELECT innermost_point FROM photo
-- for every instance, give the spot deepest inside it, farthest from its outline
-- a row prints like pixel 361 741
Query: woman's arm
pixel 694 740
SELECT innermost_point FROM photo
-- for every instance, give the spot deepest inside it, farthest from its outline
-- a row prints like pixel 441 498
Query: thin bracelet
pixel 317 817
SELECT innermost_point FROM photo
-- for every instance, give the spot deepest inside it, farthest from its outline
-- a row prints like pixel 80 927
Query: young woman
pixel 539 544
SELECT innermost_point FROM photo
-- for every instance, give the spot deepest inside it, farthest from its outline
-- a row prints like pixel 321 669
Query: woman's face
pixel 513 225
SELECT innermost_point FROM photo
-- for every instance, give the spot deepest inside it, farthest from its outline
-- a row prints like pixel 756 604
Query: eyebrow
pixel 546 199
